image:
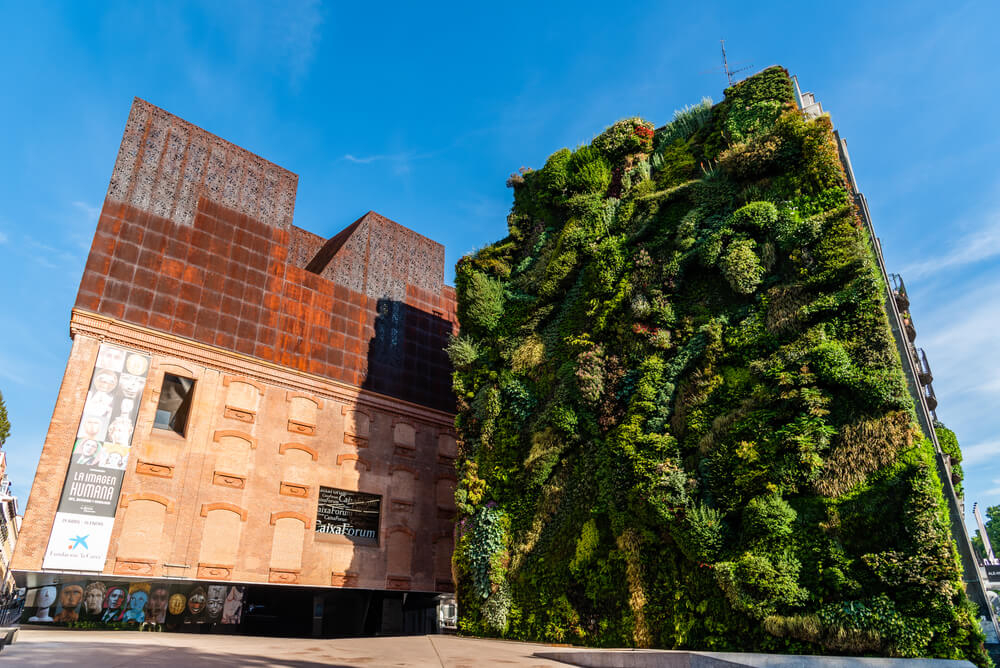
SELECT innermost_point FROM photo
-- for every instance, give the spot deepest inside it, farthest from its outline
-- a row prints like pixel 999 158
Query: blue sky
pixel 421 111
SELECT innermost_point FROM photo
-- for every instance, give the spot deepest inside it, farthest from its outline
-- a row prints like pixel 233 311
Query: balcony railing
pixel 899 293
pixel 923 367
pixel 930 399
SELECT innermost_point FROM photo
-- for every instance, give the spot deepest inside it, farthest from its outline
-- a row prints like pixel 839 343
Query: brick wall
pixel 236 497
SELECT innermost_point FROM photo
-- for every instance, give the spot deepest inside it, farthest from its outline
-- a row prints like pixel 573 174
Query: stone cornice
pixel 160 343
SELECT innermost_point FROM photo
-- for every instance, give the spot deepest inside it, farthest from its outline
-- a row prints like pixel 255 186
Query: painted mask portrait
pixel 196 601
pixel 136 365
pixel 177 604
pixel 216 601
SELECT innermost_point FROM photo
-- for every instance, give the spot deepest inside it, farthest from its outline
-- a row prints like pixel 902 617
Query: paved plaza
pixel 111 649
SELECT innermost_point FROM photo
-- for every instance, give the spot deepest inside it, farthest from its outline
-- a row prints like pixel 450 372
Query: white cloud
pixel 92 212
pixel 977 246
pixel 980 453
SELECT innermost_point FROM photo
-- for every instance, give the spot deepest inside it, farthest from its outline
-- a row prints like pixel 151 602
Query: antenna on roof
pixel 725 65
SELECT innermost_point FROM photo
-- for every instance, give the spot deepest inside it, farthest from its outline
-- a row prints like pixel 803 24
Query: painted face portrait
pixel 93 428
pixel 232 610
pixel 156 609
pixel 89 447
pixel 125 408
pixel 196 601
pixel 136 365
pixel 120 431
pixel 114 604
pixel 115 598
pixel 93 597
pixel 70 596
pixel 99 404
pixel 138 601
pixel 177 604
pixel 111 358
pixel 46 597
pixel 131 385
pixel 105 381
pixel 114 461
pixel 216 600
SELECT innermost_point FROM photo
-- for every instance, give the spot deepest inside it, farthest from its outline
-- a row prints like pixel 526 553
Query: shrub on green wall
pixel 684 420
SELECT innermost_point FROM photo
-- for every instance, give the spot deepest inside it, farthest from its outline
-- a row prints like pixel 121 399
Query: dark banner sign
pixel 82 528
pixel 351 514
pixel 993 572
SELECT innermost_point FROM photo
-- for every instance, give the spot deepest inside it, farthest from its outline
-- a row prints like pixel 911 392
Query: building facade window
pixel 175 403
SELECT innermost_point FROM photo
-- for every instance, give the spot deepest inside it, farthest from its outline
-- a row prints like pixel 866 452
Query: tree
pixel 4 422
pixel 993 527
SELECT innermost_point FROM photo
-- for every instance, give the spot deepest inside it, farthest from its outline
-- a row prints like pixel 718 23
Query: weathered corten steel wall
pixel 219 275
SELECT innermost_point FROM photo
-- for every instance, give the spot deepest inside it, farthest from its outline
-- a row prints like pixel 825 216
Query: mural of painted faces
pixel 93 598
pixel 70 598
pixel 156 608
pixel 216 601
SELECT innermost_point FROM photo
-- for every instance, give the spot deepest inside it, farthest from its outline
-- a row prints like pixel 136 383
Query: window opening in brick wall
pixel 175 403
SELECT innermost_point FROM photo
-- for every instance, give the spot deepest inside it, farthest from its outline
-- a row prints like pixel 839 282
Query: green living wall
pixel 684 420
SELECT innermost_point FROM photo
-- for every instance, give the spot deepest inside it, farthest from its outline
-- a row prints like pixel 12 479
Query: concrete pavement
pixel 130 649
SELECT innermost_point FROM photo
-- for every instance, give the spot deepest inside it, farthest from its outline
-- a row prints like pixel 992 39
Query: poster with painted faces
pixel 136 603
pixel 98 459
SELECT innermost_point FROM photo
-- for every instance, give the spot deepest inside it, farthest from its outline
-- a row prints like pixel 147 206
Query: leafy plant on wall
pixel 684 420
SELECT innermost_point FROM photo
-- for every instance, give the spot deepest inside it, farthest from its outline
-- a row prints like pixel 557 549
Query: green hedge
pixel 684 420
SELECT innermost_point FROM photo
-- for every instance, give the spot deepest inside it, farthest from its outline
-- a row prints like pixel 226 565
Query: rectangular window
pixel 175 403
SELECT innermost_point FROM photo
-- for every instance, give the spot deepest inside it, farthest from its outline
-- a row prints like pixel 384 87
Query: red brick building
pixel 250 412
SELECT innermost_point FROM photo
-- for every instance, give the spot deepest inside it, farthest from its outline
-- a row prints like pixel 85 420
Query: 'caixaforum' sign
pixel 354 515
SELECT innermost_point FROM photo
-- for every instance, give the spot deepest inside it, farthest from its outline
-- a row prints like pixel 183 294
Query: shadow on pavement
pixel 81 655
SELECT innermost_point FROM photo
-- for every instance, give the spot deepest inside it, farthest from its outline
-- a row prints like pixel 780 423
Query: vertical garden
pixel 684 420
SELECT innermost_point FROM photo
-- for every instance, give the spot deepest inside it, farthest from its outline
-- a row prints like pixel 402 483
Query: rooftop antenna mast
pixel 725 64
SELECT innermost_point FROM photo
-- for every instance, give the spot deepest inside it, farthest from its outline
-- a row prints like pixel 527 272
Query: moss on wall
pixel 684 420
